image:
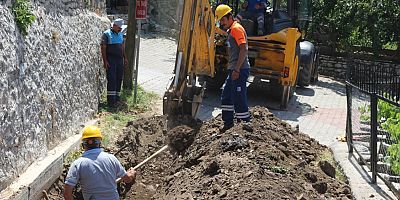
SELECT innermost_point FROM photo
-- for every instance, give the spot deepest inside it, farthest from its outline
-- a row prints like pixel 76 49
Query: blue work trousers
pixel 234 98
pixel 114 79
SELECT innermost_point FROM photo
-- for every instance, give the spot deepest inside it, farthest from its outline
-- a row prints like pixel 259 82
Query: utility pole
pixel 130 46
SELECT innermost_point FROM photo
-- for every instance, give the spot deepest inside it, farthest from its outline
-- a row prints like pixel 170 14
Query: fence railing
pixel 371 90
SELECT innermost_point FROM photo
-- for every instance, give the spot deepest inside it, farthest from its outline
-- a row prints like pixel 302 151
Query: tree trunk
pixel 130 46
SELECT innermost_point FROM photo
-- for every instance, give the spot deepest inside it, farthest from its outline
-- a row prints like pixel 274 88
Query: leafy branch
pixel 23 15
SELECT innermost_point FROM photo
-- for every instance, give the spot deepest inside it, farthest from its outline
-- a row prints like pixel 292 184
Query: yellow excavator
pixel 280 56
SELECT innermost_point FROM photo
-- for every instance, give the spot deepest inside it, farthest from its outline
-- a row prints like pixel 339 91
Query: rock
pixel 248 127
pixel 327 168
pixel 345 190
pixel 311 177
pixel 256 114
pixel 151 188
pixel 212 169
pixel 234 143
pixel 301 197
pixel 223 193
pixel 320 187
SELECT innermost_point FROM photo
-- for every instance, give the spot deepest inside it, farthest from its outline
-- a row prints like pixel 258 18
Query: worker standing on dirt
pixel 96 171
pixel 255 11
pixel 114 59
pixel 234 94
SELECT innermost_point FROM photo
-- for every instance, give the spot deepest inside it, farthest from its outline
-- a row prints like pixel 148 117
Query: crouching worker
pixel 96 171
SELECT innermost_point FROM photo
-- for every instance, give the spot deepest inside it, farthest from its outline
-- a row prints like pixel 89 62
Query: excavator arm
pixel 195 56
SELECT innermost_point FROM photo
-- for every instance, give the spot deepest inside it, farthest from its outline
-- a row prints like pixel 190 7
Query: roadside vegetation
pixel 389 121
pixel 347 23
pixel 112 121
pixel 23 15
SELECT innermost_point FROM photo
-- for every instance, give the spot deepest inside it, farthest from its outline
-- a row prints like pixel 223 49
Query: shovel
pixel 147 159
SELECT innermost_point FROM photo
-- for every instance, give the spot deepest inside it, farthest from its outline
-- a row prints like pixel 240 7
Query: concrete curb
pixel 41 174
pixel 359 178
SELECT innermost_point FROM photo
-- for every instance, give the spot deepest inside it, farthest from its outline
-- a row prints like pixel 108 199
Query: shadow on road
pixel 366 176
pixel 260 95
pixel 334 86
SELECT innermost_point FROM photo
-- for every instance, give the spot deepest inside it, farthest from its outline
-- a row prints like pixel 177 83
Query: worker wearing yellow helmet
pixel 234 94
pixel 96 170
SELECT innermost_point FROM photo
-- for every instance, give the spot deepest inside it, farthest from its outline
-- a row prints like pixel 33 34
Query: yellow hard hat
pixel 221 11
pixel 91 132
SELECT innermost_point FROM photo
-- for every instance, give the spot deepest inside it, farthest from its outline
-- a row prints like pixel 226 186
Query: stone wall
pixel 335 66
pixel 165 12
pixel 50 80
pixel 331 66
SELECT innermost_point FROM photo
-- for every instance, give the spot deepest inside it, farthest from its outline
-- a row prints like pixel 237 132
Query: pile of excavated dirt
pixel 265 160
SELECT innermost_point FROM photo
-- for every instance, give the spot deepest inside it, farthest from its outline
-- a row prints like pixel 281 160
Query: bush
pixel 23 15
pixel 389 115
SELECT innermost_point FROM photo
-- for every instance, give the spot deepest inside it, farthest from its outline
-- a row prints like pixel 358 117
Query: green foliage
pixel 389 115
pixel 23 15
pixel 365 111
pixel 278 169
pixel 394 159
pixel 112 121
pixel 142 100
pixel 345 23
pixel 72 156
pixel 327 155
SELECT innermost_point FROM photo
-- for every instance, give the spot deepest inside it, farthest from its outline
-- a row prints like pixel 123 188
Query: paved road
pixel 319 110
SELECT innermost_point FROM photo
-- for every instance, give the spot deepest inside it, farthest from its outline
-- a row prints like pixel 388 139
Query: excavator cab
pixel 201 58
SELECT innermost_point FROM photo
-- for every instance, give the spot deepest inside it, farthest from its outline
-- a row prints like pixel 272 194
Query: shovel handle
pixel 147 159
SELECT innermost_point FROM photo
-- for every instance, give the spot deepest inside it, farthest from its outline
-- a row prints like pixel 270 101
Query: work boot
pixel 225 128
pixel 260 33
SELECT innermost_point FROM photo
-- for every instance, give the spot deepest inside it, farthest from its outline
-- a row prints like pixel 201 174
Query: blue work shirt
pixel 96 171
pixel 251 7
pixel 114 42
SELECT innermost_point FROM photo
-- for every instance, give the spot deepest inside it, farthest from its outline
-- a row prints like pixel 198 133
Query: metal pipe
pixel 178 69
pixel 374 135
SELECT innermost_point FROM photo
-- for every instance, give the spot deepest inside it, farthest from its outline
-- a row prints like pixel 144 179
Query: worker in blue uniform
pixel 255 11
pixel 114 59
pixel 234 94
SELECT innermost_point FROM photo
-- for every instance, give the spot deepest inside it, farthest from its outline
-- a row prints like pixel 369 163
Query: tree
pixel 130 46
pixel 345 23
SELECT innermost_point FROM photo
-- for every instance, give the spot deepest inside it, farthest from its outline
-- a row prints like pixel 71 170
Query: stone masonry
pixel 165 12
pixel 336 67
pixel 50 80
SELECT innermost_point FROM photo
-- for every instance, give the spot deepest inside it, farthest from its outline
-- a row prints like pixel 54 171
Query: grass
pixel 112 121
pixel 72 156
pixel 327 155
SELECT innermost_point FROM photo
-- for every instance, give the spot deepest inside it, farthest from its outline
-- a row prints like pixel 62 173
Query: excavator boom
pixel 194 57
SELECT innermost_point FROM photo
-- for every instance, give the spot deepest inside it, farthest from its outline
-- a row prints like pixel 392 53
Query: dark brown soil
pixel 264 160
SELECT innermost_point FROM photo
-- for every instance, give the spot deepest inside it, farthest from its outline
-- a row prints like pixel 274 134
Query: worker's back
pixel 97 172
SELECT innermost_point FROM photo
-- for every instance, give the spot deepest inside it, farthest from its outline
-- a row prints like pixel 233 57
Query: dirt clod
pixel 327 168
pixel 180 138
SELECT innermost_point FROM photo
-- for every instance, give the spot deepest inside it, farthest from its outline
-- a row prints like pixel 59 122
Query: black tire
pixel 307 58
pixel 314 76
pixel 304 76
pixel 293 88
